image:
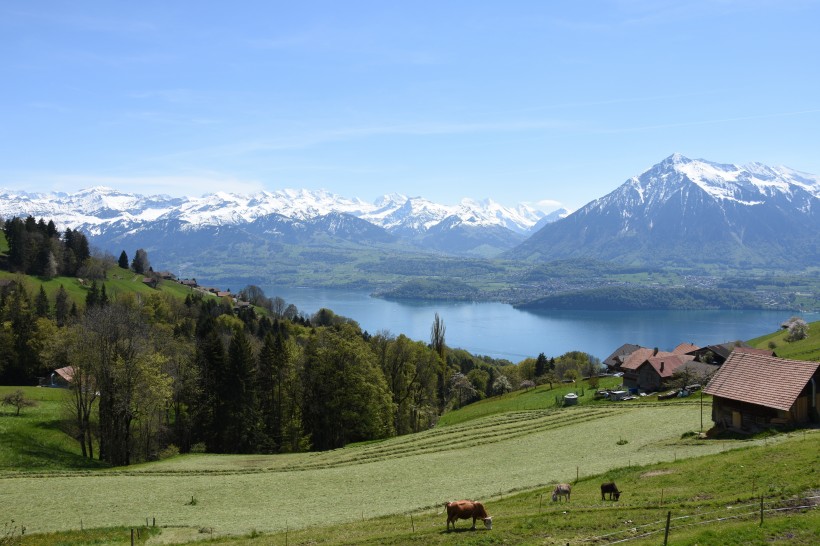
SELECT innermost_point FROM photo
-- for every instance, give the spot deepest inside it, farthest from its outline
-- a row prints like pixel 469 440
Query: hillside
pixel 658 468
pixel 804 349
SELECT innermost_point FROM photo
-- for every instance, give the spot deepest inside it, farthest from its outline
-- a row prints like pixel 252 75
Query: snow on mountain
pixel 109 214
pixel 398 213
pixel 689 210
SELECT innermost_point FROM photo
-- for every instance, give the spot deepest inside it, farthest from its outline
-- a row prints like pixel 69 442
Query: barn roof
pixel 634 361
pixel 666 366
pixel 684 348
pixel 752 350
pixel 620 354
pixel 762 380
pixel 66 373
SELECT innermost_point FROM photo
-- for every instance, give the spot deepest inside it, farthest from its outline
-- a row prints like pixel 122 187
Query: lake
pixel 501 331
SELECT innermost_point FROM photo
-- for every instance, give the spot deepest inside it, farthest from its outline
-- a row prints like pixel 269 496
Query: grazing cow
pixel 561 490
pixel 610 488
pixel 465 509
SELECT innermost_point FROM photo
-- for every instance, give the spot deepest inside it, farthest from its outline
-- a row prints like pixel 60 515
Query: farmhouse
pixel 61 377
pixel 717 354
pixel 753 391
pixel 653 372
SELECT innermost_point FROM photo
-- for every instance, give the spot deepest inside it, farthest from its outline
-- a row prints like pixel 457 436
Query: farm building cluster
pixel 752 389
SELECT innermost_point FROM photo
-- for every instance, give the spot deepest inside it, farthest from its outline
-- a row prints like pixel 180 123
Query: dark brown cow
pixel 610 488
pixel 465 509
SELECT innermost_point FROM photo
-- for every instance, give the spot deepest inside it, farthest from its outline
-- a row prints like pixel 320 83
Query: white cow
pixel 561 490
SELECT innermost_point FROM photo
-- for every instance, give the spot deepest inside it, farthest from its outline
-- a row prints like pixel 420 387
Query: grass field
pixel 34 441
pixel 804 349
pixel 481 458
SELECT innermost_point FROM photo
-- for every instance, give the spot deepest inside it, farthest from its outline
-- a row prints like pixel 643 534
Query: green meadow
pixel 487 458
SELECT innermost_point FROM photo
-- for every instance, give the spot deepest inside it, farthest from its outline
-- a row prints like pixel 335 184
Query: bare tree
pixel 18 400
pixel 68 348
pixel 278 306
pixel 438 344
pixel 140 263
pixel 437 336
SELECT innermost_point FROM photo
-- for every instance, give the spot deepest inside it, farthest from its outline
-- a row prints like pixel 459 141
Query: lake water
pixel 501 331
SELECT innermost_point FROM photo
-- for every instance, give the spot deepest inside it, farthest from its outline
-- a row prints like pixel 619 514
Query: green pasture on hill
pixel 482 458
pixel 804 349
pixel 36 440
pixel 540 397
pixel 119 281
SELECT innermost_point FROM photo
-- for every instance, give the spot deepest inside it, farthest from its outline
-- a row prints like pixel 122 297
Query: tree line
pixel 157 374
pixel 37 248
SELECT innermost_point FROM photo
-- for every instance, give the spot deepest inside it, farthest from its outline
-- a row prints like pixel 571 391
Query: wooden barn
pixel 752 391
pixel 61 378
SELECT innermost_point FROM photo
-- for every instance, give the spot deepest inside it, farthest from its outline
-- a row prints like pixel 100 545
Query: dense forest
pixel 159 374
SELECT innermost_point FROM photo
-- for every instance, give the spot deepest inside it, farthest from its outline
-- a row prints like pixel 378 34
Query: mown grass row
pixel 239 502
pixel 713 500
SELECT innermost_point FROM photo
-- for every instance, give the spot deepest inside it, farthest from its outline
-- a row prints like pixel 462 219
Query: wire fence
pixel 645 530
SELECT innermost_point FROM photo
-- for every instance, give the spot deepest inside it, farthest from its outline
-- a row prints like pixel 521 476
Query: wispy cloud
pixel 707 122
pixel 184 185
pixel 307 139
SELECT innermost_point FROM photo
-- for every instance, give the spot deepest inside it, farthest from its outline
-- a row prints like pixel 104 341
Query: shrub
pixel 168 452
pixel 18 400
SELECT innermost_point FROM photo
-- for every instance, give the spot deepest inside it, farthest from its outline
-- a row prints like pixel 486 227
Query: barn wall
pixel 725 413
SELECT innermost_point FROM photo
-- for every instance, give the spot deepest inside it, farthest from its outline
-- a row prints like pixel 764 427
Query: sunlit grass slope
pixel 35 440
pixel 804 349
pixel 481 458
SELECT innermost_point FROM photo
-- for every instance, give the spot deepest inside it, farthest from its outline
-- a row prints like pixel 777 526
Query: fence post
pixel 666 534
pixel 132 536
pixel 540 500
pixel 761 510
pixel 412 523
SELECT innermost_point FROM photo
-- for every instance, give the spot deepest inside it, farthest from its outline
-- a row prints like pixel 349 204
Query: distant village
pixel 752 389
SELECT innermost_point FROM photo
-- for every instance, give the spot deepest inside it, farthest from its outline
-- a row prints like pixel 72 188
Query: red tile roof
pixel 762 380
pixel 638 357
pixel 66 373
pixel 669 363
pixel 684 348
pixel 752 350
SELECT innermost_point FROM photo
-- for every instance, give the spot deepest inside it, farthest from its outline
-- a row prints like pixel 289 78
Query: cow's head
pixel 488 522
pixel 617 495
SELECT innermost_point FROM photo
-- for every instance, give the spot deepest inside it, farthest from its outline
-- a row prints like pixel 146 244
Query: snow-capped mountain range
pixel 108 215
pixel 678 211
pixel 99 206
pixel 684 210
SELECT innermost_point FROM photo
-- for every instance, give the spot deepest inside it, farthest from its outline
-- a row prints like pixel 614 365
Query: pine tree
pixel 123 261
pixel 103 301
pixel 61 308
pixel 239 391
pixel 41 305
pixel 541 365
pixel 93 296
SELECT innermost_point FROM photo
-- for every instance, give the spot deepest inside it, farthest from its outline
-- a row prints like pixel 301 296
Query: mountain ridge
pixel 684 210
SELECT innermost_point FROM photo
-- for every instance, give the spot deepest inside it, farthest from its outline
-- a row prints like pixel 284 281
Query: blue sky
pixel 521 101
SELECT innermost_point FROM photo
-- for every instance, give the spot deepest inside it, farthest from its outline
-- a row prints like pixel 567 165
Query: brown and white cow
pixel 610 488
pixel 561 490
pixel 466 509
